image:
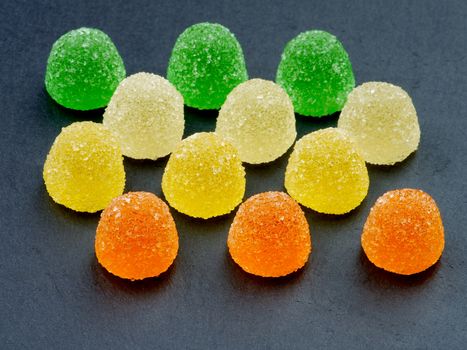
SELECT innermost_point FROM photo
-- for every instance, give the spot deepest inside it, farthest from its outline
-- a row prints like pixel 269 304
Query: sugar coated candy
pixel 259 120
pixel 136 237
pixel 404 233
pixel 204 176
pixel 84 168
pixel 316 72
pixel 270 236
pixel 146 115
pixel 382 120
pixel 325 172
pixel 83 69
pixel 206 64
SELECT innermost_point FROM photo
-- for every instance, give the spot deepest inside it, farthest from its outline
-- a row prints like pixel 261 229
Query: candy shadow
pixel 108 282
pixel 332 218
pixel 59 210
pixel 305 125
pixel 197 120
pixel 263 177
pixel 147 163
pixel 60 115
pixel 386 169
pixel 144 174
pixel 248 282
pixel 379 278
pixel 272 166
pixel 200 226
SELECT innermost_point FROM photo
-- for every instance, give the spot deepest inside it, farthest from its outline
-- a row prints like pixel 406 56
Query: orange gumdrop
pixel 136 237
pixel 404 233
pixel 270 236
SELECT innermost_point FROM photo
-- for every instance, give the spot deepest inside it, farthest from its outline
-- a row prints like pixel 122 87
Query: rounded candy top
pixel 83 69
pixel 206 64
pixel 382 120
pixel 259 120
pixel 270 236
pixel 404 233
pixel 325 172
pixel 84 168
pixel 316 72
pixel 136 237
pixel 146 115
pixel 204 176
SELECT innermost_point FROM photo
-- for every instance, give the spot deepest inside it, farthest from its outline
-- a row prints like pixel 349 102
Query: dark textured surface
pixel 53 294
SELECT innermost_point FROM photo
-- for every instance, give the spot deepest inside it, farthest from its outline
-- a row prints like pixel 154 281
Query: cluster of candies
pixel 204 177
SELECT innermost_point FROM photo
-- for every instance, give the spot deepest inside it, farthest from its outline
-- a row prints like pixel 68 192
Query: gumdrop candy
pixel 136 237
pixel 83 69
pixel 382 121
pixel 206 64
pixel 270 236
pixel 404 232
pixel 204 176
pixel 259 120
pixel 316 72
pixel 146 115
pixel 326 173
pixel 84 168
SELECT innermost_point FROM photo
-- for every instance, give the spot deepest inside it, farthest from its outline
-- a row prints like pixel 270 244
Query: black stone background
pixel 53 293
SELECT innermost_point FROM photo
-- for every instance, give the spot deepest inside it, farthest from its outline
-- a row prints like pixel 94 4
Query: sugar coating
pixel 316 72
pixel 204 176
pixel 259 120
pixel 382 120
pixel 270 236
pixel 404 233
pixel 206 64
pixel 136 237
pixel 146 115
pixel 84 168
pixel 83 69
pixel 325 172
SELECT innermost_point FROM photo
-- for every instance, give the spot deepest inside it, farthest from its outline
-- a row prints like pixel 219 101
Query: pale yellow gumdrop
pixel 84 168
pixel 258 119
pixel 204 176
pixel 382 121
pixel 325 172
pixel 146 115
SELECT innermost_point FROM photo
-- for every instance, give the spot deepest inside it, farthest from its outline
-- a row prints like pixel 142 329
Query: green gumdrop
pixel 84 69
pixel 206 64
pixel 316 72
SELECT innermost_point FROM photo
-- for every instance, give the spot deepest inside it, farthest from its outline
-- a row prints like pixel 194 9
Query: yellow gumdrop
pixel 325 172
pixel 382 121
pixel 258 119
pixel 204 176
pixel 84 168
